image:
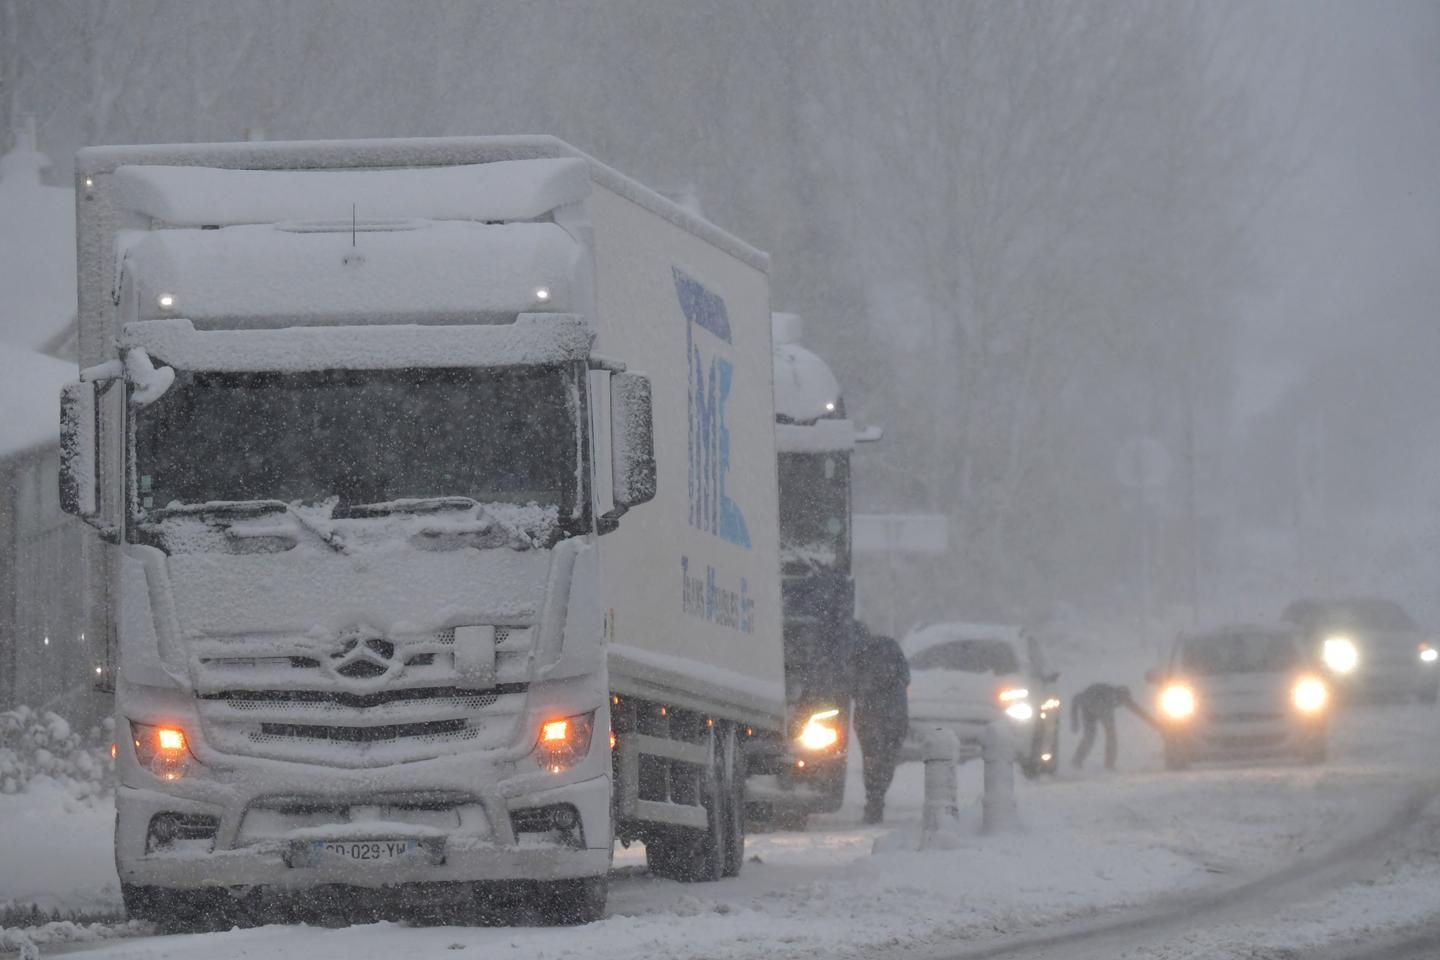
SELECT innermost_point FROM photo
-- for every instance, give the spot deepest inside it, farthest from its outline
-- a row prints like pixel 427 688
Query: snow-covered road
pixel 1157 851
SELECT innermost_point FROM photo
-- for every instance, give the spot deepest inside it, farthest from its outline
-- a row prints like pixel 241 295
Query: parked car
pixel 1242 691
pixel 965 676
pixel 1371 648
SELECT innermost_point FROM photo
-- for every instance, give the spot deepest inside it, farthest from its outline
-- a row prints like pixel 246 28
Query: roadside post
pixel 998 805
pixel 942 803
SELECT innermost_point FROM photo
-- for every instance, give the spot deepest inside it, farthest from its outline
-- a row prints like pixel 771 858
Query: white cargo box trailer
pixel 426 463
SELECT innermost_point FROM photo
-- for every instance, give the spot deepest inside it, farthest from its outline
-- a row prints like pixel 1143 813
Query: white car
pixel 965 676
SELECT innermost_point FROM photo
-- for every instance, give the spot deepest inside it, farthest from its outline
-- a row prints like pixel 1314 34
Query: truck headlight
pixel 821 731
pixel 1340 654
pixel 1177 701
pixel 1428 654
pixel 564 741
pixel 1309 695
pixel 1020 710
pixel 163 750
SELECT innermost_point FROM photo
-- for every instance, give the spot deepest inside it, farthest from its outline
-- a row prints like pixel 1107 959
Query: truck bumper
pixel 487 841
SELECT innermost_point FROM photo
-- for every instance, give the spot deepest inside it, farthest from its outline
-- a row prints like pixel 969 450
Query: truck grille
pixel 396 701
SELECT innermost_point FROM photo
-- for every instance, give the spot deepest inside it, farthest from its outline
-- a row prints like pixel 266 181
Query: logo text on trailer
pixel 711 379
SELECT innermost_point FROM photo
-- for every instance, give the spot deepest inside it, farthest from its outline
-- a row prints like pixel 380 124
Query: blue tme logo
pixel 711 377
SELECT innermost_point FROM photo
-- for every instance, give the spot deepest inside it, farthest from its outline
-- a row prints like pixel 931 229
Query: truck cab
pixel 814 442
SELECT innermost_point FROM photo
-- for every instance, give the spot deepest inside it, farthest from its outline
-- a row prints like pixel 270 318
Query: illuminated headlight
pixel 821 731
pixel 163 750
pixel 1020 711
pixel 1051 704
pixel 1428 654
pixel 564 741
pixel 1309 695
pixel 1177 701
pixel 1013 694
pixel 1339 654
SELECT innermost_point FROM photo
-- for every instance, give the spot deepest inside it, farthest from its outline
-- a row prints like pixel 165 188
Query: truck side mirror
pixel 79 493
pixel 632 436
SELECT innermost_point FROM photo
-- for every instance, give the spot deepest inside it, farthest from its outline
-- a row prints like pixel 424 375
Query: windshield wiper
pixel 252 508
pixel 404 505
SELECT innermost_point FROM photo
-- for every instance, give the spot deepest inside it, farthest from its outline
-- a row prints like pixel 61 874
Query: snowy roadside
pixel 1088 845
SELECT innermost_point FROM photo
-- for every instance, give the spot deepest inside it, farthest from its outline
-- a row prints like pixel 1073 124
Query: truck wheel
pixel 733 792
pixel 572 902
pixel 692 856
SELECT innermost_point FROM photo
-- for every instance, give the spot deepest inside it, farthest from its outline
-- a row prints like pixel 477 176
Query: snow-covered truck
pixel 440 482
pixel 805 772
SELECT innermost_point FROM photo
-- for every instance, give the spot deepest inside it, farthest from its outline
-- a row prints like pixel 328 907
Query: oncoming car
pixel 1242 691
pixel 964 676
pixel 1370 648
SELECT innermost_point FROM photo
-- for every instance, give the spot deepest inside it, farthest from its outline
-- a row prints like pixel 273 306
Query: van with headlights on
pixel 1242 692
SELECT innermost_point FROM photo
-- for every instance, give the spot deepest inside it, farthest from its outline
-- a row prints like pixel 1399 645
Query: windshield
pixel 814 512
pixel 1240 653
pixel 971 656
pixel 363 437
pixel 1366 614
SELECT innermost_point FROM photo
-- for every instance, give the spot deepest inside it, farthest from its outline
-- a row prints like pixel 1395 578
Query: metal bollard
pixel 942 804
pixel 998 805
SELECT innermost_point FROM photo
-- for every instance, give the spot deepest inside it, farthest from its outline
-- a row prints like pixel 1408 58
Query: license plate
pixel 369 851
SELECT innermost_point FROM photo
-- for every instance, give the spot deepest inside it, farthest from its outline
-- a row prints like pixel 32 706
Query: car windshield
pixel 1239 653
pixel 814 512
pixel 969 656
pixel 1364 614
pixel 362 437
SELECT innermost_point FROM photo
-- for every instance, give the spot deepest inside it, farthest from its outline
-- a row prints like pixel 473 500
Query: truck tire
pixel 693 856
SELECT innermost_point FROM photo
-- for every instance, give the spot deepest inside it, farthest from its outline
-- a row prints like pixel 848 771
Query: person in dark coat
pixel 882 713
pixel 1095 706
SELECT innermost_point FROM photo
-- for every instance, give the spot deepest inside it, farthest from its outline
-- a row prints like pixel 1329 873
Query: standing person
pixel 882 713
pixel 1095 706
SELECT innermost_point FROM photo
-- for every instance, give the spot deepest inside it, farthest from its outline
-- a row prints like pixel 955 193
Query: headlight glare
pixel 1012 694
pixel 1309 695
pixel 1177 701
pixel 821 731
pixel 1428 654
pixel 163 750
pixel 1020 711
pixel 1340 654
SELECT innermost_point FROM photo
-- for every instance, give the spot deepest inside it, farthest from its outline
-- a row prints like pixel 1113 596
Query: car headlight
pixel 821 731
pixel 163 750
pixel 1177 701
pixel 1340 654
pixel 1309 695
pixel 1428 654
pixel 1020 710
